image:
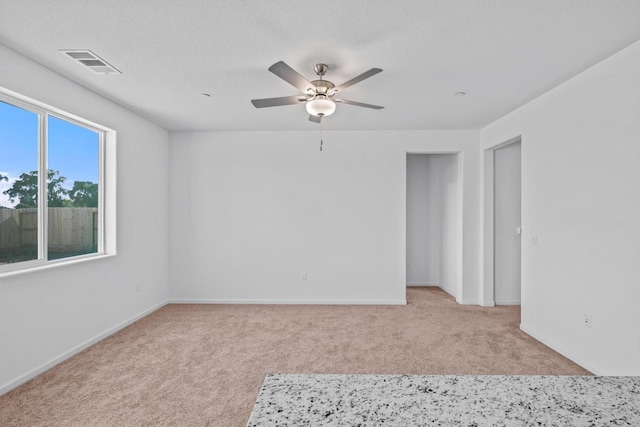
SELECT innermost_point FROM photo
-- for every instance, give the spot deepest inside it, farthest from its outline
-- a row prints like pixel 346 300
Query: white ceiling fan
pixel 318 94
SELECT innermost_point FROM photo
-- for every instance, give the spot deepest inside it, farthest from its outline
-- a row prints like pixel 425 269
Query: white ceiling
pixel 502 53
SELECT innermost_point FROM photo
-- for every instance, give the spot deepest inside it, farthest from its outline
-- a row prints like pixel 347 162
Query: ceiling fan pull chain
pixel 320 136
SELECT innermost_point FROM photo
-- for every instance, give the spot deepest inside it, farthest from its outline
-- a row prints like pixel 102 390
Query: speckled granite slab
pixel 467 400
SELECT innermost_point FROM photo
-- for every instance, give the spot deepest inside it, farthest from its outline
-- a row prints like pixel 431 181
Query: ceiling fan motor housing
pixel 322 86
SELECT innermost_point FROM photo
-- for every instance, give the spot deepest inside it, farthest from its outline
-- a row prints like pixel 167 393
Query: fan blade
pixel 359 104
pixel 315 119
pixel 291 76
pixel 275 102
pixel 365 75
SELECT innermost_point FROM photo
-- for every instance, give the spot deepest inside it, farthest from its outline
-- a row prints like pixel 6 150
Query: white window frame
pixel 106 185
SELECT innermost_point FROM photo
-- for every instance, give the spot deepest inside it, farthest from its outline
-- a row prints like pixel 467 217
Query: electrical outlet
pixel 587 321
pixel 303 276
pixel 535 240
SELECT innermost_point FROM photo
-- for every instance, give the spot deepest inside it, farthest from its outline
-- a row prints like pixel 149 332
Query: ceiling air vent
pixel 90 60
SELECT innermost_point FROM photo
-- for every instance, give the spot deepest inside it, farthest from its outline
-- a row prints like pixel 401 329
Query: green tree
pixel 84 194
pixel 3 178
pixel 25 190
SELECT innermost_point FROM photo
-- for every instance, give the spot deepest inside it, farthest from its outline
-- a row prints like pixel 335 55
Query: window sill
pixel 52 264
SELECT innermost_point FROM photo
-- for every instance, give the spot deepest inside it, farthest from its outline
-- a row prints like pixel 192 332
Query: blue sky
pixel 73 150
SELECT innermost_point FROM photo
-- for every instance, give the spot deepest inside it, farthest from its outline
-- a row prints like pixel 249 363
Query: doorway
pixel 434 221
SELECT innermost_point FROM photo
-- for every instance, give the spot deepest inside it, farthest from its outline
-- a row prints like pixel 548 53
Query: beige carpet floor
pixel 197 365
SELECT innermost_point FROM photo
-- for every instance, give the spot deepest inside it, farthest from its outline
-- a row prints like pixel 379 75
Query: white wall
pixel 47 315
pixel 580 195
pixel 424 221
pixel 252 211
pixel 447 167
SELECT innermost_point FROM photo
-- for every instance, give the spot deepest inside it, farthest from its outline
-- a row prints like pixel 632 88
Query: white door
pixel 507 211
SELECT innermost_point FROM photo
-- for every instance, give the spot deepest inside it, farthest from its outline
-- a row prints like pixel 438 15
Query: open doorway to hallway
pixel 434 221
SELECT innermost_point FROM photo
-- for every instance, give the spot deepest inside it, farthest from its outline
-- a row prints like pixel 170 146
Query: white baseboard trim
pixel 562 350
pixel 286 301
pixel 5 388
pixel 508 302
pixel 420 284
pixel 467 302
pixel 488 304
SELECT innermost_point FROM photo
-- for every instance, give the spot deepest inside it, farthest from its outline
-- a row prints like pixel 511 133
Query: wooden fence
pixel 70 229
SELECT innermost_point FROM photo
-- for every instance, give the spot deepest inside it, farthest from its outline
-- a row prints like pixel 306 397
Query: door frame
pixel 488 275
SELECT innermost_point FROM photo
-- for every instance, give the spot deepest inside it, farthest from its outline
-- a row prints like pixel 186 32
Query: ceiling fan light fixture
pixel 321 106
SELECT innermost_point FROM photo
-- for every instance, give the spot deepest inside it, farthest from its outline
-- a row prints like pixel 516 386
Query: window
pixel 51 185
